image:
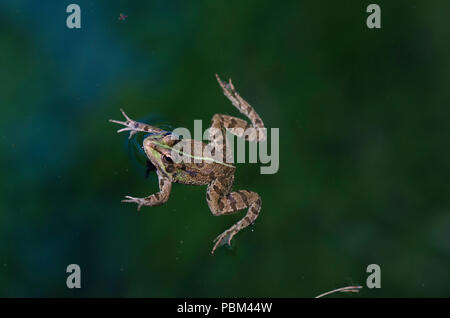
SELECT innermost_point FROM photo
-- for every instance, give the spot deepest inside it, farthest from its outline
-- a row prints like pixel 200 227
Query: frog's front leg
pixel 161 197
pixel 134 126
pixel 222 202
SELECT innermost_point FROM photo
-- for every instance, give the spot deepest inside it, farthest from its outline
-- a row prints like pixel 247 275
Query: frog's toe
pixel 117 122
pixel 218 243
pixel 222 239
pixel 129 199
pixel 125 115
pixel 138 201
pixel 230 237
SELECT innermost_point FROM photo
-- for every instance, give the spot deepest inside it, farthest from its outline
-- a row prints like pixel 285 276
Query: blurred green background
pixel 364 147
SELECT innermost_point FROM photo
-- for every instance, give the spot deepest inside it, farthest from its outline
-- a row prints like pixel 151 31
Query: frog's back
pixel 198 167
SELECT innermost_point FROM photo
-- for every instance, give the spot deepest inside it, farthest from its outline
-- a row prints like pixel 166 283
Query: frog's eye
pixel 167 159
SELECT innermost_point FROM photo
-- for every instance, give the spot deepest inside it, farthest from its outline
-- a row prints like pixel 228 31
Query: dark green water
pixel 364 122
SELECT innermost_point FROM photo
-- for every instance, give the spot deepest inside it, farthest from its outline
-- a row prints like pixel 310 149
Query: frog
pixel 218 175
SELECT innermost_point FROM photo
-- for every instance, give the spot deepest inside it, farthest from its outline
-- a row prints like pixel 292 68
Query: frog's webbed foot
pixel 229 87
pixel 224 238
pixel 254 132
pixel 222 203
pixel 134 126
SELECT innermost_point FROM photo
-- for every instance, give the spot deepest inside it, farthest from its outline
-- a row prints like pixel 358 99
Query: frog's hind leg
pixel 222 202
pixel 134 126
pixel 252 132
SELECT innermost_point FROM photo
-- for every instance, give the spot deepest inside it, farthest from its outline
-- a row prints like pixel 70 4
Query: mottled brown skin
pixel 219 176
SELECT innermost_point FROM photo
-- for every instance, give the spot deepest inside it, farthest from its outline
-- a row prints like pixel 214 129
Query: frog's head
pixel 159 150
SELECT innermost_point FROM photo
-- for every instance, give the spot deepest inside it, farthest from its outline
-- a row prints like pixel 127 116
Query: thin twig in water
pixel 351 289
